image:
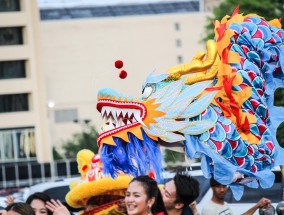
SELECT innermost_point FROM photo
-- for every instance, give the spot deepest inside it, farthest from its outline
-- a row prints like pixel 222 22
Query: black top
pixel 186 211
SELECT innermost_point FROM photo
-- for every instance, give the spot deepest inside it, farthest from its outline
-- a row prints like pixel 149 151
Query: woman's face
pixel 136 199
pixel 39 207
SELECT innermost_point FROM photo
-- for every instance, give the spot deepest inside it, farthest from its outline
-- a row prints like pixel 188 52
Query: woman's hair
pixel 21 208
pixel 40 196
pixel 152 190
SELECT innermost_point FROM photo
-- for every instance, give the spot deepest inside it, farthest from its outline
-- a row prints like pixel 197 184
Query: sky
pixel 83 3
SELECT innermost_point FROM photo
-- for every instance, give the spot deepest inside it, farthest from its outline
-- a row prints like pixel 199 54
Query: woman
pixel 144 197
pixel 18 208
pixel 42 204
pixel 38 202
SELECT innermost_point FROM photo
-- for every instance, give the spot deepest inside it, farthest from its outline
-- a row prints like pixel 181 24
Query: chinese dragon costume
pixel 218 107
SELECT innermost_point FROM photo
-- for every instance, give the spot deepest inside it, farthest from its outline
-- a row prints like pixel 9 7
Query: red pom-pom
pixel 123 74
pixel 84 167
pixel 118 64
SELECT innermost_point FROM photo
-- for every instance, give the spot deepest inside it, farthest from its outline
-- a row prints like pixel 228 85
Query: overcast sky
pixel 83 3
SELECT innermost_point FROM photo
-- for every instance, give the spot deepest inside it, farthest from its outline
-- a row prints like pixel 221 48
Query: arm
pixel 10 200
pixel 262 202
pixel 3 212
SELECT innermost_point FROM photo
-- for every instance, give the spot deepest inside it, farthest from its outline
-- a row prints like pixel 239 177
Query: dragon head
pixel 167 104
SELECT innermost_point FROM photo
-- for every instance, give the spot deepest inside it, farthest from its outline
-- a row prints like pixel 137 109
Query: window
pixel 68 115
pixel 17 144
pixel 179 59
pixel 178 43
pixel 11 36
pixel 177 26
pixel 9 5
pixel 12 69
pixel 14 103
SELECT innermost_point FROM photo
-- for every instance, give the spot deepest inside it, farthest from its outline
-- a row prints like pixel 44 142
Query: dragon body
pixel 218 107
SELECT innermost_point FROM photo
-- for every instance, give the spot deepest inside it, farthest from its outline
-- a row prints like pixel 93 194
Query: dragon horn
pixel 197 64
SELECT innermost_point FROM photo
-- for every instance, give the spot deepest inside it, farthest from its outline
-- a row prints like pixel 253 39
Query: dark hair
pixel 152 190
pixel 40 196
pixel 21 208
pixel 214 183
pixel 187 188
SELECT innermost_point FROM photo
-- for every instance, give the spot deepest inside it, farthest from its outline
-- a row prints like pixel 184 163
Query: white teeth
pixel 109 120
pixel 124 112
pixel 117 117
pixel 119 122
pixel 103 110
pixel 113 112
pixel 107 111
pixel 137 117
pixel 111 126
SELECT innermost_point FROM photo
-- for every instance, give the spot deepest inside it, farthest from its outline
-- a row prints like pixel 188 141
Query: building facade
pixel 24 134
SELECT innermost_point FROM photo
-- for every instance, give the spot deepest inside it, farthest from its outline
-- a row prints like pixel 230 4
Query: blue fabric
pixel 223 170
pixel 138 157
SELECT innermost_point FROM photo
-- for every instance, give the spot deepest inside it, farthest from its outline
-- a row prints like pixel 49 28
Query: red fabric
pixel 159 213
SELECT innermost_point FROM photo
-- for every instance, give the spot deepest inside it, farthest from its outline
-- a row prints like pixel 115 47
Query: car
pixel 2 202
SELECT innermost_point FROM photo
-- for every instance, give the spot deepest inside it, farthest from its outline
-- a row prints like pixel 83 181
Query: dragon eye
pixel 147 91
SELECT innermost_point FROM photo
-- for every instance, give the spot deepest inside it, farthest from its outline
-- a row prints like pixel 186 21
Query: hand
pixel 194 208
pixel 57 208
pixel 263 202
pixel 3 212
pixel 10 199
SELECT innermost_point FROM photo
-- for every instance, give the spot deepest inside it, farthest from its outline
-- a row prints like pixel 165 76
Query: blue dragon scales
pixel 218 107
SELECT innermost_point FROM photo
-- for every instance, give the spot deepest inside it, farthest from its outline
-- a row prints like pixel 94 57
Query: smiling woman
pixel 144 197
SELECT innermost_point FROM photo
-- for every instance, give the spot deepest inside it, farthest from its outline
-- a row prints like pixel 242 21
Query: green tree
pixel 56 154
pixel 86 139
pixel 173 156
pixel 270 9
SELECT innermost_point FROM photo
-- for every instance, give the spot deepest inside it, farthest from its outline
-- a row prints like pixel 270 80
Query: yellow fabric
pixel 223 36
pixel 85 188
pixel 78 196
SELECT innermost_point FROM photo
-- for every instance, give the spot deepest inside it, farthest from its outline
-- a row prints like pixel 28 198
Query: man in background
pixel 179 192
pixel 218 206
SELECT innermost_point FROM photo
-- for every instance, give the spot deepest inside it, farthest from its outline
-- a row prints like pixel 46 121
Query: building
pixel 23 123
pixel 55 56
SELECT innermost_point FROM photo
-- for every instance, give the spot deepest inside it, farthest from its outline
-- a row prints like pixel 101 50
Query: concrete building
pixel 52 69
pixel 24 133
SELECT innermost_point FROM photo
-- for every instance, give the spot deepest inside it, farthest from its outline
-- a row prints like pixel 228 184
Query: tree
pixel 86 139
pixel 173 156
pixel 270 9
pixel 56 154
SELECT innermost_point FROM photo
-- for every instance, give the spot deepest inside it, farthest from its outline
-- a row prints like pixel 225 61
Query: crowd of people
pixel 144 196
